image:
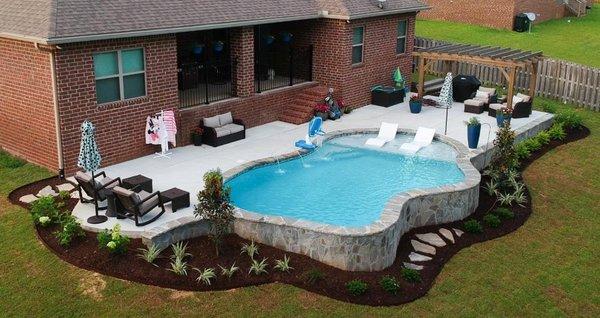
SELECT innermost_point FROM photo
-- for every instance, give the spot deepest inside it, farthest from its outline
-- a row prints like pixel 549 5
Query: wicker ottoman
pixel 494 108
pixel 474 106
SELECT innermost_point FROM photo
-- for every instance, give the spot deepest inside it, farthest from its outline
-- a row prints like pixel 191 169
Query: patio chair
pixel 387 133
pixel 97 190
pixel 137 205
pixel 521 108
pixel 423 138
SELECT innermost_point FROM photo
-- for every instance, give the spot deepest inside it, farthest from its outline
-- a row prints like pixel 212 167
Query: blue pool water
pixel 343 182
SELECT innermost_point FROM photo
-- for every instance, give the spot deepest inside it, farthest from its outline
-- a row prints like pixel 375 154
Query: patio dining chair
pixel 95 189
pixel 137 205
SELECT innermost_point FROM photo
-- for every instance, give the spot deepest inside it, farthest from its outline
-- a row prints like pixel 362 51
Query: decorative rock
pixel 28 198
pixel 447 234
pixel 47 191
pixel 65 187
pixel 416 257
pixel 422 247
pixel 432 239
pixel 413 266
pixel 458 232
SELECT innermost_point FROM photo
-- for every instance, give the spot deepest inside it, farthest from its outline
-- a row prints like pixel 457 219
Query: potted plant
pixel 197 136
pixel 322 110
pixel 415 103
pixel 473 132
pixel 502 115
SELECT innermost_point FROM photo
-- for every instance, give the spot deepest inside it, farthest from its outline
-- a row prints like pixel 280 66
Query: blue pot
pixel 415 107
pixel 500 118
pixel 473 132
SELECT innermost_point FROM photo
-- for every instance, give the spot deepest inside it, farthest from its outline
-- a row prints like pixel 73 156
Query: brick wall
pixel 120 126
pixel 26 105
pixel 544 9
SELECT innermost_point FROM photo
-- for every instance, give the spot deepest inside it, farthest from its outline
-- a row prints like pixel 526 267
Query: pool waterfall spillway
pixel 364 245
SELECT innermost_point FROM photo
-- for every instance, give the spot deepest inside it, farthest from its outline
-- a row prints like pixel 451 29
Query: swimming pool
pixel 343 182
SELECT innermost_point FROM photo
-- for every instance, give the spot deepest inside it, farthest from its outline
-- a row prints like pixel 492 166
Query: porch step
pixel 301 109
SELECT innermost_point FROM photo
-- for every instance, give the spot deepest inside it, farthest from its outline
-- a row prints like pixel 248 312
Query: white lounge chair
pixel 387 133
pixel 423 138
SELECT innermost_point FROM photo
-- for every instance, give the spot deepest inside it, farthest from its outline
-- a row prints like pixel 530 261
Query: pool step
pixel 301 109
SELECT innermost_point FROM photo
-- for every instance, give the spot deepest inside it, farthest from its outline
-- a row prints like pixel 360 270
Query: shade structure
pixel 446 92
pixel 89 159
pixel 464 87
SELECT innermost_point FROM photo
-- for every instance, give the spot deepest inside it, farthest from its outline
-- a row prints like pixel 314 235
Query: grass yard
pixel 577 41
pixel 549 267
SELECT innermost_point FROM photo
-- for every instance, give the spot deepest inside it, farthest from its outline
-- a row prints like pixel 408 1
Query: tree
pixel 214 206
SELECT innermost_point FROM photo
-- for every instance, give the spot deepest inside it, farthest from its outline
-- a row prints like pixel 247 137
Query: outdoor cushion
pixel 221 131
pixel 491 91
pixel 525 98
pixel 497 106
pixel 83 176
pixel 474 102
pixel 212 122
pixel 516 99
pixel 226 119
pixel 233 128
pixel 148 205
pixel 482 95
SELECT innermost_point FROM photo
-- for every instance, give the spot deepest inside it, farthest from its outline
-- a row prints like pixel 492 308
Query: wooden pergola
pixel 505 59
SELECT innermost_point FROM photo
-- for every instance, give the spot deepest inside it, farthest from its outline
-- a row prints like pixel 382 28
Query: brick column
pixel 242 52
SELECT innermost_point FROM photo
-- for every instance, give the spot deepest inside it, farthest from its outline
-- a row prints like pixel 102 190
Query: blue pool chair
pixel 314 130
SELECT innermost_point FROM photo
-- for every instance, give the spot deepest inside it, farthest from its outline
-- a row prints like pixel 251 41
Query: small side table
pixel 179 199
pixel 139 182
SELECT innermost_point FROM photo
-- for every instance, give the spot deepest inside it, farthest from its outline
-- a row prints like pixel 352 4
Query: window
pixel 358 35
pixel 119 75
pixel 401 37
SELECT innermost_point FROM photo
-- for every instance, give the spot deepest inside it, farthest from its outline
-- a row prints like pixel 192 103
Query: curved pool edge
pixel 366 248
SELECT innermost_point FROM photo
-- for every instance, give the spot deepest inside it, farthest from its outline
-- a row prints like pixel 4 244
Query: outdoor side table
pixel 139 182
pixel 179 199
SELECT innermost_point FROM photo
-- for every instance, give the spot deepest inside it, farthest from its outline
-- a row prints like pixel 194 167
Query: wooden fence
pixel 562 80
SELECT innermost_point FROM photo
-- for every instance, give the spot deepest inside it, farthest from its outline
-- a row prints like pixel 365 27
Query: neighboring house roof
pixel 64 21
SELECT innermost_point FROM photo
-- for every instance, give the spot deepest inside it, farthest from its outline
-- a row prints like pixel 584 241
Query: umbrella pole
pixel 96 219
pixel 446 124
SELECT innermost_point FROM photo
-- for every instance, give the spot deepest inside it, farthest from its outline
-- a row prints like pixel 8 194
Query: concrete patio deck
pixel 188 164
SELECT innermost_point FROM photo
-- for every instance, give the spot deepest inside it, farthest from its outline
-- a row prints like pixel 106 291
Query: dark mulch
pixel 85 253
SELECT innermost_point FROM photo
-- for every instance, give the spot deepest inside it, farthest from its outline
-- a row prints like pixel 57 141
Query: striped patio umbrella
pixel 89 156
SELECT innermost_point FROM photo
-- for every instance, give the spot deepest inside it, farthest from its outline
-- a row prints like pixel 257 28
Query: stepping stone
pixel 432 239
pixel 458 232
pixel 65 187
pixel 413 266
pixel 422 247
pixel 28 198
pixel 47 191
pixel 416 257
pixel 75 194
pixel 447 234
pixel 72 180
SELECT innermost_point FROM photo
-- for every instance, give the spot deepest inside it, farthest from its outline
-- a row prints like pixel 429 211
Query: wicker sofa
pixel 521 109
pixel 222 129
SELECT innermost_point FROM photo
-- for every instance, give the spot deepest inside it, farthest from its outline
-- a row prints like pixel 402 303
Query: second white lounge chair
pixel 423 138
pixel 387 133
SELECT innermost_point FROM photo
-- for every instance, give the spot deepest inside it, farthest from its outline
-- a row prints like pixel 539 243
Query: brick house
pixel 109 62
pixel 501 13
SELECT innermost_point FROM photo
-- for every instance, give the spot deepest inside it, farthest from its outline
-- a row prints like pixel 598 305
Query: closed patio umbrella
pixel 89 158
pixel 446 98
pixel 398 79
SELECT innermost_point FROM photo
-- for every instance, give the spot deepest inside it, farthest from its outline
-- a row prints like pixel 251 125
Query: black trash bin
pixel 521 23
pixel 464 87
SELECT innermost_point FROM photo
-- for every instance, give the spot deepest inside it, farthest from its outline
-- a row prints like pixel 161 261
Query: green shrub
pixel 389 284
pixel 473 226
pixel 45 212
pixel 9 162
pixel 491 220
pixel 357 287
pixel 557 131
pixel 313 276
pixel 504 213
pixel 543 137
pixel 549 108
pixel 522 151
pixel 411 275
pixel 569 118
pixel 532 144
pixel 64 195
pixel 70 229
pixel 113 240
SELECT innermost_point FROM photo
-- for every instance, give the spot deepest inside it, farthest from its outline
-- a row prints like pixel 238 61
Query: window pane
pixel 134 86
pixel 133 60
pixel 402 28
pixel 357 54
pixel 107 90
pixel 357 36
pixel 400 45
pixel 106 64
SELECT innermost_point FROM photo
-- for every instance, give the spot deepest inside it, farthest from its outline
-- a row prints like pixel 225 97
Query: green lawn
pixel 577 41
pixel 547 268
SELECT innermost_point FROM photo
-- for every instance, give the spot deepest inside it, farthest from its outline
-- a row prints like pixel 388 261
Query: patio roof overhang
pixel 505 59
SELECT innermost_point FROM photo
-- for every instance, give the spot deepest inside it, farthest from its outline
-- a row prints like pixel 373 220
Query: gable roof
pixel 65 21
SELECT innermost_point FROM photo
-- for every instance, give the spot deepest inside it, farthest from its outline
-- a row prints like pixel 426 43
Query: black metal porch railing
pixel 203 83
pixel 283 67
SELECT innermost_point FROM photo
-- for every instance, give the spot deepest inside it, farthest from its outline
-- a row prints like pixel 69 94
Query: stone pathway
pixel 428 243
pixel 49 191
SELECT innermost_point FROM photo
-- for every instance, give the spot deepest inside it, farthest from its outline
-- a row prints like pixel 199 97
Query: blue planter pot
pixel 500 118
pixel 473 132
pixel 415 107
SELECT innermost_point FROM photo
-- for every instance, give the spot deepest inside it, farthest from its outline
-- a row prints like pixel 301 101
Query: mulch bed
pixel 84 253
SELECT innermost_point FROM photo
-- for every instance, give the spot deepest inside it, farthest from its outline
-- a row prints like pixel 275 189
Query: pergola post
pixel 512 74
pixel 421 86
pixel 533 79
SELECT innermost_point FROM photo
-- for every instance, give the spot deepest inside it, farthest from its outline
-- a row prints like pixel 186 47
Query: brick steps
pixel 301 109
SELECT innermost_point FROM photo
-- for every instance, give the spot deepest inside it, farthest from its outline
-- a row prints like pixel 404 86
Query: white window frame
pixel 361 44
pixel 120 75
pixel 398 37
